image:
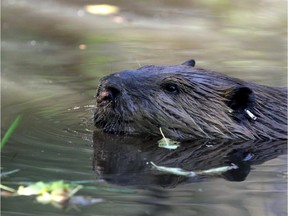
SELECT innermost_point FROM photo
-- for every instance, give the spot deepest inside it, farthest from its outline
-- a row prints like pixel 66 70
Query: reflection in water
pixel 126 160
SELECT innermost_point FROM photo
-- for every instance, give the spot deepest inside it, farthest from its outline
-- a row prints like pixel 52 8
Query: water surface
pixel 53 54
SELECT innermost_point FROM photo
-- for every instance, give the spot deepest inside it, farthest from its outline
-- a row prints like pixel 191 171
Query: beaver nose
pixel 107 94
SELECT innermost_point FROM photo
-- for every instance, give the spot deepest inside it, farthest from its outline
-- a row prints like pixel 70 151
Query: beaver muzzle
pixel 107 95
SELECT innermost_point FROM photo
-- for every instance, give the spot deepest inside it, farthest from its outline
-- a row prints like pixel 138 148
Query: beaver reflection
pixel 189 103
pixel 125 160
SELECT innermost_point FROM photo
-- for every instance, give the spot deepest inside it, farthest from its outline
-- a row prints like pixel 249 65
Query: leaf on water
pixel 167 143
pixel 46 198
pixel 181 172
pixel 174 170
pixel 33 189
pixel 218 170
pixel 102 9
pixel 57 191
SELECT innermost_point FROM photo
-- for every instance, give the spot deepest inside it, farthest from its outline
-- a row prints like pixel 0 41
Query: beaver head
pixel 189 103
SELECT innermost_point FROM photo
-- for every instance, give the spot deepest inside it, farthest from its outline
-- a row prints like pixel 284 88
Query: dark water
pixel 53 54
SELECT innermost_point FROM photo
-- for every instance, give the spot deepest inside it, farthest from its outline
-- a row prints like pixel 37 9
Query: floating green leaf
pixel 33 189
pixel 58 193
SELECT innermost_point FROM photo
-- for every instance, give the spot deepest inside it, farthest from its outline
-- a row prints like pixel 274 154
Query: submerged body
pixel 189 103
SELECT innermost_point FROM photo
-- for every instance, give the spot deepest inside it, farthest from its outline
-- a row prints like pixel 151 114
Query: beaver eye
pixel 170 88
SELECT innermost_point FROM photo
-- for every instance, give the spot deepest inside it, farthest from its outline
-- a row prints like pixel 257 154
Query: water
pixel 53 54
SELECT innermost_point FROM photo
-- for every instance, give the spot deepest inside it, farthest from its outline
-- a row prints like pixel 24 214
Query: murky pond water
pixel 53 54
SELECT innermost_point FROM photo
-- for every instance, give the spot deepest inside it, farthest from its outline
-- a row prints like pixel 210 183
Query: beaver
pixel 189 103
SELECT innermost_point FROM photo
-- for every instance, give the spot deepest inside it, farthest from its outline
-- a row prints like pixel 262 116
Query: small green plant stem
pixel 10 130
pixel 166 141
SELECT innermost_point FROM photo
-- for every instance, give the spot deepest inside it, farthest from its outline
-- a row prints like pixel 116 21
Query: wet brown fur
pixel 205 104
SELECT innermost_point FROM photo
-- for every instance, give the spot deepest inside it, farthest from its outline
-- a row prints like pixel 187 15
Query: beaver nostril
pixel 107 94
pixel 114 91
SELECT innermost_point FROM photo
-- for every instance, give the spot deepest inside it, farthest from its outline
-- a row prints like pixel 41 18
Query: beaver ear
pixel 190 63
pixel 241 100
